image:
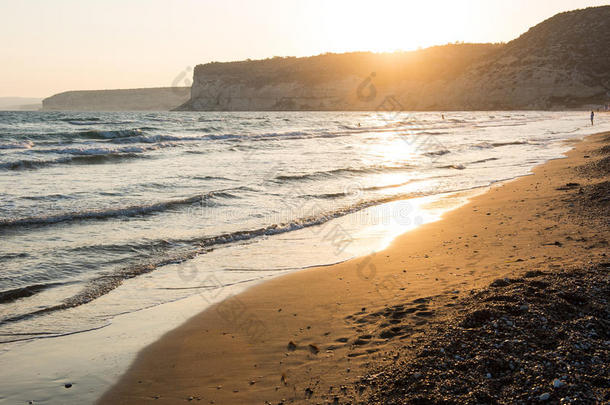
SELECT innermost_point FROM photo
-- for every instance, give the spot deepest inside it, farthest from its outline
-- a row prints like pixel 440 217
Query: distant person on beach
pixel 592 116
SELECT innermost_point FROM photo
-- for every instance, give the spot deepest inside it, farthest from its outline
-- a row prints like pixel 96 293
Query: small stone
pixel 292 346
pixel 501 282
pixel 544 397
pixel 314 349
pixel 488 376
pixel 68 385
pixel 557 383
pixel 417 375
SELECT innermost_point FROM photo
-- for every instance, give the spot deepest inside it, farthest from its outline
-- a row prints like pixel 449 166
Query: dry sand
pixel 301 337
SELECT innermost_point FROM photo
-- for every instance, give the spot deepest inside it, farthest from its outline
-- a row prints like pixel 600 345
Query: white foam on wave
pixel 18 145
pixel 101 150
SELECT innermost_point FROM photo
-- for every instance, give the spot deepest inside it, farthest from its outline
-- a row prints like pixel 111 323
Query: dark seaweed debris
pixel 544 338
pixel 596 169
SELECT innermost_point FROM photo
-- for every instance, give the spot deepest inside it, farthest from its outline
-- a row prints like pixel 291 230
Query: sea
pixel 110 214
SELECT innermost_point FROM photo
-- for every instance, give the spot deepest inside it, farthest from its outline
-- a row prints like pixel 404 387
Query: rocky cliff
pixel 564 62
pixel 152 99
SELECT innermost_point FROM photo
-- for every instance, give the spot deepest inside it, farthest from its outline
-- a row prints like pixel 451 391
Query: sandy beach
pixel 312 336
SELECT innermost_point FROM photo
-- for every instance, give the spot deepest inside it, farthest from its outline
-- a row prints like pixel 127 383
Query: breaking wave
pixel 130 211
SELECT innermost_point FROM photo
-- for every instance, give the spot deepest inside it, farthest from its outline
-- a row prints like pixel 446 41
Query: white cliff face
pixel 509 89
pixel 218 93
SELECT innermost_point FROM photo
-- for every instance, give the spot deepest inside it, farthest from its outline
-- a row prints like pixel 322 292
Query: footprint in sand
pixel 424 314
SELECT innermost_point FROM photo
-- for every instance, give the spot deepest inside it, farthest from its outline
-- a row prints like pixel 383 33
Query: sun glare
pixel 387 26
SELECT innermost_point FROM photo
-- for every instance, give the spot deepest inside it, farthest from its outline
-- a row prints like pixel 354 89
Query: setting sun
pixel 387 26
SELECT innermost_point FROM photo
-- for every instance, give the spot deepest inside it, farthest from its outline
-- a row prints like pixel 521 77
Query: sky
pixel 50 46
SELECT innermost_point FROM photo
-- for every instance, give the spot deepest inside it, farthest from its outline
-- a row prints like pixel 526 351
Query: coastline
pixel 308 329
pixel 39 369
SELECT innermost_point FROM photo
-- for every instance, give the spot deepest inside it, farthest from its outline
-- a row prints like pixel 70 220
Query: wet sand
pixel 310 336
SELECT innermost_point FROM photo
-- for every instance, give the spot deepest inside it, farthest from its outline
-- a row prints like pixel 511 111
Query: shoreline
pixel 279 339
pixel 54 361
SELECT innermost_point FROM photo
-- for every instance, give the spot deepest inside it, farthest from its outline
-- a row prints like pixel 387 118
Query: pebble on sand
pixel 544 397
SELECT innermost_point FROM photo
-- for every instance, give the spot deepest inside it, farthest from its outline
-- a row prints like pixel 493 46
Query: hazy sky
pixel 49 46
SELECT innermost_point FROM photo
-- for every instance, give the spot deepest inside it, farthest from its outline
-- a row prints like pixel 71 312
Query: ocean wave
pixel 456 166
pixel 288 135
pixel 210 178
pixel 432 133
pixel 148 139
pixel 109 281
pixel 439 152
pixel 489 145
pixel 498 144
pixel 28 164
pixel 488 125
pixel 142 135
pixel 88 134
pixel 129 211
pixel 153 139
pixel 112 134
pixel 12 256
pixel 87 122
pixel 484 160
pixel 23 292
pixel 235 137
pixel 328 196
pixel 460 166
pixel 340 171
pixel 202 129
pixel 369 188
pixel 48 197
pixel 396 185
pixel 79 119
pixel 98 150
pixel 18 145
pixel 172 138
pixel 76 122
pixel 33 164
